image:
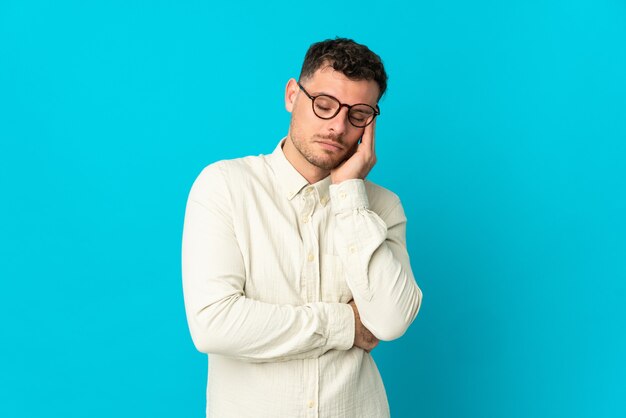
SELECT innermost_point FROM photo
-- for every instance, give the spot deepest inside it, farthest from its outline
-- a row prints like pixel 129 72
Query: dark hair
pixel 354 60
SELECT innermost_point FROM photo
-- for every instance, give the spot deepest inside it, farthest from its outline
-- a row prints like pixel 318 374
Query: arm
pixel 375 259
pixel 373 250
pixel 221 319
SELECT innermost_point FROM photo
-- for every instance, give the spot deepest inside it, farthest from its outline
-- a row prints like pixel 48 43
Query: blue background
pixel 503 131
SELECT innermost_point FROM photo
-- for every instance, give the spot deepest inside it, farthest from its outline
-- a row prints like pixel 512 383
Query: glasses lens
pixel 361 115
pixel 325 107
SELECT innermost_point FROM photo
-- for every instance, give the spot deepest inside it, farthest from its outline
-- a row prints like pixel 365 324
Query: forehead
pixel 327 80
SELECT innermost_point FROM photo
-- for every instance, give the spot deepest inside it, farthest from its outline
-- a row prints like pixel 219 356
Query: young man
pixel 294 266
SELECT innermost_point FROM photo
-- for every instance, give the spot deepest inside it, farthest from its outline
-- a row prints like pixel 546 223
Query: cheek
pixel 353 149
pixel 353 138
pixel 304 122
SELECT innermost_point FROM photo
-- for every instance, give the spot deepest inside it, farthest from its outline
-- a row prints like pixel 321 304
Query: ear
pixel 291 92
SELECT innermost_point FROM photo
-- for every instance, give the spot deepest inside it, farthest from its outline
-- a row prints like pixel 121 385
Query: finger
pixel 368 137
pixel 373 125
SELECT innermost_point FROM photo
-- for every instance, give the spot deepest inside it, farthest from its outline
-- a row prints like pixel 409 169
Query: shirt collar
pixel 290 180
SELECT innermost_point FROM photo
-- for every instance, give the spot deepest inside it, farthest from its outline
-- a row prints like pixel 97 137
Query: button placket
pixel 309 205
pixel 311 266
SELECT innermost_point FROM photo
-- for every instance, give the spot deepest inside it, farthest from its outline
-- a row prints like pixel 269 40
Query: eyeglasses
pixel 327 107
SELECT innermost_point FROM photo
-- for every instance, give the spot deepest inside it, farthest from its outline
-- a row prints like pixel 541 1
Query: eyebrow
pixel 315 93
pixel 320 93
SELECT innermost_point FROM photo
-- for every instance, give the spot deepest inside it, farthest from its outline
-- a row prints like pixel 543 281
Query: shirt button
pixel 308 191
pixel 305 219
pixel 310 404
pixel 352 249
pixel 342 195
pixel 310 257
pixel 324 200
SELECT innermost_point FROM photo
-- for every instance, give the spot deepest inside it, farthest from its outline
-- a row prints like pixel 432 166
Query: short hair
pixel 355 61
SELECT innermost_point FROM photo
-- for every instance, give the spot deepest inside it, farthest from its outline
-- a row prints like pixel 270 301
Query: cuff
pixel 340 326
pixel 348 195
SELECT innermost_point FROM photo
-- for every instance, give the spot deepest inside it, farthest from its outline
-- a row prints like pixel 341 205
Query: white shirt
pixel 269 263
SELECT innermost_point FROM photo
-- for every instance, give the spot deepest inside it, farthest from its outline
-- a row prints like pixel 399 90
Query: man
pixel 294 266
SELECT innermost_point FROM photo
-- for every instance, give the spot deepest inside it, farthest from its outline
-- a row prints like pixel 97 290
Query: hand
pixel 361 162
pixel 363 338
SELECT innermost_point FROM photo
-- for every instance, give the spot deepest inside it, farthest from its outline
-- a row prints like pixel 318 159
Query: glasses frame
pixel 375 109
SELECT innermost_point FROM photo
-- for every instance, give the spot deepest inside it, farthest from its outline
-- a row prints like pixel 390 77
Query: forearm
pixel 375 260
pixel 261 332
pixel 390 298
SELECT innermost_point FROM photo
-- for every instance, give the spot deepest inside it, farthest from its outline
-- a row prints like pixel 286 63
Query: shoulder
pixel 249 164
pixel 230 170
pixel 225 175
pixel 380 197
pixel 385 203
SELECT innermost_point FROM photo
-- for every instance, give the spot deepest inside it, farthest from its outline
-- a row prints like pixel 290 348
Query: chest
pixel 288 248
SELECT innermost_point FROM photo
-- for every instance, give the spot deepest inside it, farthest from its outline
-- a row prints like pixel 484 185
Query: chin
pixel 326 163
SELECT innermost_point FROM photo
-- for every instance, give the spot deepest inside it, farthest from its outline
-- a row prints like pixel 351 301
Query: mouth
pixel 330 146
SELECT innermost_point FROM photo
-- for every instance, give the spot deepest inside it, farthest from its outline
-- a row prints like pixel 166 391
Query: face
pixel 317 144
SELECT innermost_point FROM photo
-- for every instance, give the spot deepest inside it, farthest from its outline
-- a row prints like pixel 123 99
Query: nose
pixel 340 122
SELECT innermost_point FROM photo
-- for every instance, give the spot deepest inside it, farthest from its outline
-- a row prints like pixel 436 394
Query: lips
pixel 331 146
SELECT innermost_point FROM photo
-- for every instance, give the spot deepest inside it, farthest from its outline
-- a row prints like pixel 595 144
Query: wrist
pixel 336 179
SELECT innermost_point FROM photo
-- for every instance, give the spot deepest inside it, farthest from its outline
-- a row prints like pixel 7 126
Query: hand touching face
pixel 317 146
pixel 361 162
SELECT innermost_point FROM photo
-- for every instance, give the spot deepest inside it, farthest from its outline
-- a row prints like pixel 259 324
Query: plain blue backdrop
pixel 503 131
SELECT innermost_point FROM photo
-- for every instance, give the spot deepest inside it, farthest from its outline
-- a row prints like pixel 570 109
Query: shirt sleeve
pixel 375 260
pixel 220 318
